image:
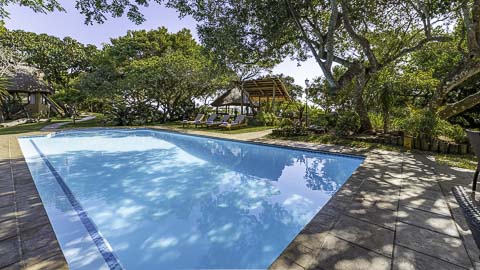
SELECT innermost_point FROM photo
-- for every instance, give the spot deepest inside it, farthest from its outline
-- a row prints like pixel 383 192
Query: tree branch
pixel 328 74
pixel 417 46
pixel 362 41
pixel 453 109
pixel 463 72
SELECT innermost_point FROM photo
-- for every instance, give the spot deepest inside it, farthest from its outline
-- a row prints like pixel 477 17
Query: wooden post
pixel 273 100
pixel 241 97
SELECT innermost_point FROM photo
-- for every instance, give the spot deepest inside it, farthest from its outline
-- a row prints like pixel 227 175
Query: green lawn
pixel 30 127
pixel 98 121
pixel 460 161
pixel 219 130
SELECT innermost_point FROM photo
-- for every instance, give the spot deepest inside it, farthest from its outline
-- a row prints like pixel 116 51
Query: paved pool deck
pixel 27 240
pixel 395 212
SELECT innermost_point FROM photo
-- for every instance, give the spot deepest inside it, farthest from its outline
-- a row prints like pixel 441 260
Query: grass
pixel 460 161
pixel 30 127
pixel 219 130
pixel 98 121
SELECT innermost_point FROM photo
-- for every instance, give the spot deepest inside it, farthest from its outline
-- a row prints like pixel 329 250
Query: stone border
pixel 396 211
pixel 27 239
pixel 102 244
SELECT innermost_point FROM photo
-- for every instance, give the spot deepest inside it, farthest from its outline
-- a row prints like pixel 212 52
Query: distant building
pixel 252 94
pixel 29 92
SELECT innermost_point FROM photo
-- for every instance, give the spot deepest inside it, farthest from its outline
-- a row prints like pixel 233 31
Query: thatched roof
pixel 265 88
pixel 254 90
pixel 232 97
pixel 27 80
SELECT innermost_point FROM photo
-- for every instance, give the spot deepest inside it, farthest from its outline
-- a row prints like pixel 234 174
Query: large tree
pixel 61 60
pixel 348 33
pixel 467 67
pixel 153 73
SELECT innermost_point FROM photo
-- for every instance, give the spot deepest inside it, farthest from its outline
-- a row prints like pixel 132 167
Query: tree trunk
pixel 362 112
pixel 460 106
pixel 386 119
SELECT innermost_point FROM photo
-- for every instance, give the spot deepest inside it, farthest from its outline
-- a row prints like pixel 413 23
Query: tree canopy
pixel 424 54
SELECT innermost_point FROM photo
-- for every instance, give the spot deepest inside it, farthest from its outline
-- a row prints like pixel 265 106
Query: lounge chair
pixel 238 122
pixel 470 211
pixel 210 119
pixel 474 138
pixel 197 121
pixel 224 120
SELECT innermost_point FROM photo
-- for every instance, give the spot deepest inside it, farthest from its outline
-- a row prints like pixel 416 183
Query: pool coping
pixel 254 142
pixel 27 239
pixel 313 246
pixel 100 242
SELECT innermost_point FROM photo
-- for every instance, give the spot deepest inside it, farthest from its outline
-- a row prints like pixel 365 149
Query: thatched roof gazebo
pixel 26 82
pixel 267 88
pixel 255 92
pixel 233 97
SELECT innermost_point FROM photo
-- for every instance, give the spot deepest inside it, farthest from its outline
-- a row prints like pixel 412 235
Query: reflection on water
pixel 166 200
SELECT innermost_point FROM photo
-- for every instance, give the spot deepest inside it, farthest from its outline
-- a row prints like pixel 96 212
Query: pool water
pixel 144 199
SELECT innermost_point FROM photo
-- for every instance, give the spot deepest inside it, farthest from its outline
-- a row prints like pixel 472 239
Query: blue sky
pixel 71 24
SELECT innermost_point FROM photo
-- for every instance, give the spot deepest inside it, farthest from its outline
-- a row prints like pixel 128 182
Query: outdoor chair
pixel 224 120
pixel 197 121
pixel 474 138
pixel 238 122
pixel 210 119
pixel 470 211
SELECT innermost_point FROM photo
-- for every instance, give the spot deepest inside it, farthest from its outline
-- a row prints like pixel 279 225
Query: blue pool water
pixel 143 199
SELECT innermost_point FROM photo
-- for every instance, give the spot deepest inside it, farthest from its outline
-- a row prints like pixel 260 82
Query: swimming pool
pixel 146 199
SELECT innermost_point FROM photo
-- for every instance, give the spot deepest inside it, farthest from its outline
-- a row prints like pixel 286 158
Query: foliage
pixel 146 76
pixel 42 6
pixel 286 122
pixel 348 122
pixel 452 131
pixel 61 60
pixel 420 122
pixel 267 118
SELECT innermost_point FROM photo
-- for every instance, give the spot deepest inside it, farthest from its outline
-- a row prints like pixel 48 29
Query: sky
pixel 71 23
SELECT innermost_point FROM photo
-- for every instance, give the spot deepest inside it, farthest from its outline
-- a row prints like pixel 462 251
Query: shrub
pixel 377 120
pixel 347 122
pixel 426 124
pixel 266 118
pixel 286 122
pixel 459 134
pixel 420 123
pixel 327 120
pixel 452 131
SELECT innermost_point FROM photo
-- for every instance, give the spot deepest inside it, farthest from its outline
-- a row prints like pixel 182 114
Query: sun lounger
pixel 238 122
pixel 197 121
pixel 224 120
pixel 210 119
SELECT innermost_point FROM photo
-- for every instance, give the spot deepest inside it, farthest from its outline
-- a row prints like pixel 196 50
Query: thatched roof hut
pixel 266 88
pixel 255 92
pixel 28 80
pixel 233 97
